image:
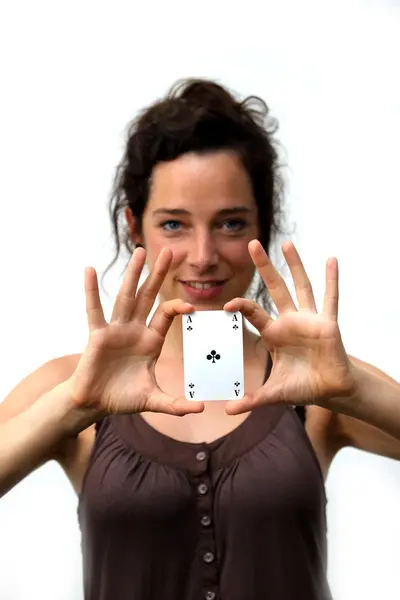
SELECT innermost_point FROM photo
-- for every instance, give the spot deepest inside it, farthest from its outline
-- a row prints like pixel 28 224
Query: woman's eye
pixel 170 225
pixel 234 224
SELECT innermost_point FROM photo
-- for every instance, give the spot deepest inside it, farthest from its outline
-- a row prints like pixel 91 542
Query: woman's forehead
pixel 195 181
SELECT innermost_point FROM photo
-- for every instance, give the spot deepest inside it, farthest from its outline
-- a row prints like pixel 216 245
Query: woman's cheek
pixel 154 245
pixel 238 254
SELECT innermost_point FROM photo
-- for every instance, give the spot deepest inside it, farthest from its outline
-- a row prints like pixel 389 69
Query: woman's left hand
pixel 310 364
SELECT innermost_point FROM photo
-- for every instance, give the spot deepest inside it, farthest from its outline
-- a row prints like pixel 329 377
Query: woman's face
pixel 203 209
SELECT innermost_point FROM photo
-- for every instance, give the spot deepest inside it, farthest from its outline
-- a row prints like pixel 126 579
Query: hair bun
pixel 204 93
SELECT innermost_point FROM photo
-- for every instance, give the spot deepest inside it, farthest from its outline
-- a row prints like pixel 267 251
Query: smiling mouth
pixel 203 285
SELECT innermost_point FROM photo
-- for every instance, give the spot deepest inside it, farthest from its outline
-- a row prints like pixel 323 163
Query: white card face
pixel 213 355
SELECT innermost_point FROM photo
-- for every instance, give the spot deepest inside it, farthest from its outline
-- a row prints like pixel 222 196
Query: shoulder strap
pixel 301 412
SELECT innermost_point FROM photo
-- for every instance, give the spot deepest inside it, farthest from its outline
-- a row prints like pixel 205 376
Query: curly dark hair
pixel 199 115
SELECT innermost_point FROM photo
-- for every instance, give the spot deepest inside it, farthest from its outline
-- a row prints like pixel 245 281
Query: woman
pixel 228 500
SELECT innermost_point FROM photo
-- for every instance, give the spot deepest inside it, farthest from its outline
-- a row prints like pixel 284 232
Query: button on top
pixel 205 521
pixel 200 456
pixel 208 557
pixel 202 488
pixel 209 595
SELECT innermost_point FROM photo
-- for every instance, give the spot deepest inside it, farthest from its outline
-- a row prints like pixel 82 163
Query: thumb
pixel 236 407
pixel 159 401
pixel 270 393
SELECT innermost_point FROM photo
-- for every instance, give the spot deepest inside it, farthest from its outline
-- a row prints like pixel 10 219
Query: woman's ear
pixel 133 228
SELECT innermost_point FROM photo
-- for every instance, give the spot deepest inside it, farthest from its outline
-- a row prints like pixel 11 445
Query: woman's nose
pixel 203 253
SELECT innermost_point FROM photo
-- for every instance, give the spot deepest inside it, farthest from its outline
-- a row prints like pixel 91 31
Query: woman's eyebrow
pixel 182 211
pixel 171 211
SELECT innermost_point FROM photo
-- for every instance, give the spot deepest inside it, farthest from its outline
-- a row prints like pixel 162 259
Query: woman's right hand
pixel 116 373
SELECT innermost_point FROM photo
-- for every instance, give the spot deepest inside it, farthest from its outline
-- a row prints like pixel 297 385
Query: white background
pixel 72 75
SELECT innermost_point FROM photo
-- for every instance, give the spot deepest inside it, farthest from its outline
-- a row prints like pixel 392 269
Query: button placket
pixel 206 548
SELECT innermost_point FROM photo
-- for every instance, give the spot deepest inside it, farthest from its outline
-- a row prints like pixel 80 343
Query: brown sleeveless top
pixel 241 518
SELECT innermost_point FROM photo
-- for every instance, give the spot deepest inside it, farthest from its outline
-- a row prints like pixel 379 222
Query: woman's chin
pixel 209 306
pixel 199 299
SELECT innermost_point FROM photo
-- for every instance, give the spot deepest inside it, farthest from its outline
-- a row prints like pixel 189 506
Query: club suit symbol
pixel 213 356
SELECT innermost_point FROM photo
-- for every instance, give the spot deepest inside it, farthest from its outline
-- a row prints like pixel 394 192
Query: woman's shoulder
pixel 56 370
pixel 36 383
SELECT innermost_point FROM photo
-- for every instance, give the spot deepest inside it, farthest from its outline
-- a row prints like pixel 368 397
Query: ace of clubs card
pixel 213 355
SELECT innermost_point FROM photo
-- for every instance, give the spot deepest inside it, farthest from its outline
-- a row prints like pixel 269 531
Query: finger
pixel 304 292
pixel 237 407
pixel 166 313
pixel 273 280
pixel 94 310
pixel 252 311
pixel 331 299
pixel 147 294
pixel 270 393
pixel 125 300
pixel 179 406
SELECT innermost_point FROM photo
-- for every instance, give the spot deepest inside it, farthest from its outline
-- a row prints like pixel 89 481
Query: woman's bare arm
pixel 36 419
pixel 370 420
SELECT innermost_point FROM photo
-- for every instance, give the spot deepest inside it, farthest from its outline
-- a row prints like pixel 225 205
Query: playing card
pixel 213 355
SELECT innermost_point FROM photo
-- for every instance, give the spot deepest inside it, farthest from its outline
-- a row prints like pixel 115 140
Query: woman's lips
pixel 210 292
